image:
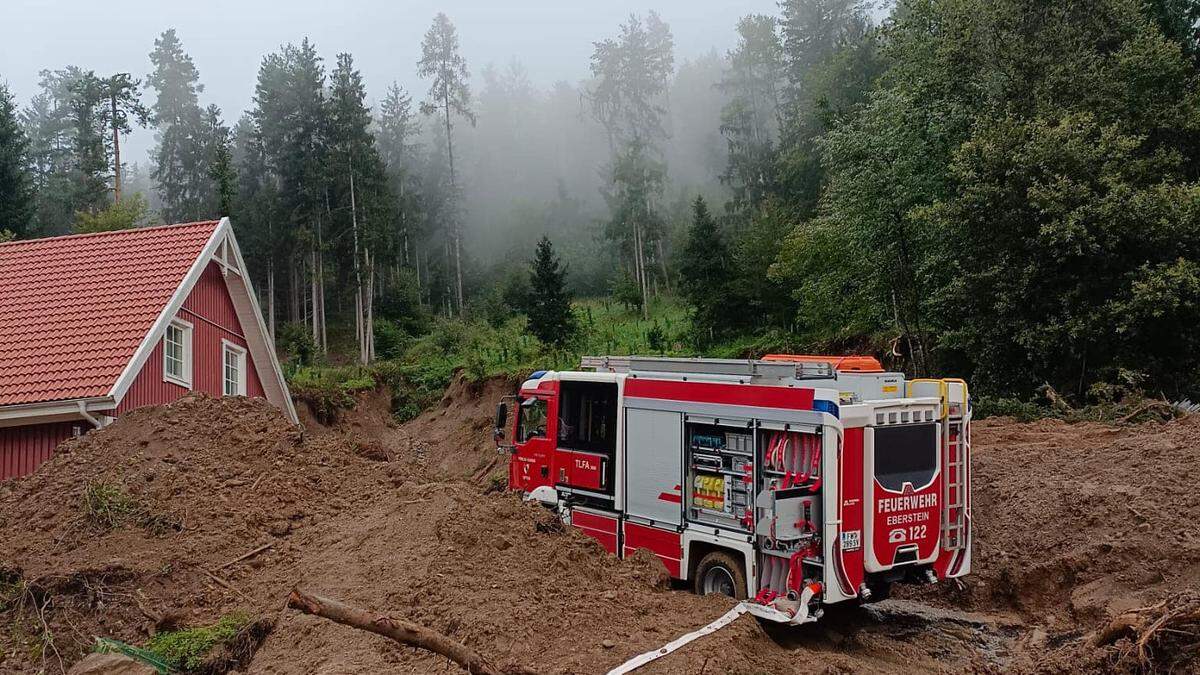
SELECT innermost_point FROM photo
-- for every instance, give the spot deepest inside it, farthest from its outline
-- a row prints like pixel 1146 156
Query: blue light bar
pixel 826 407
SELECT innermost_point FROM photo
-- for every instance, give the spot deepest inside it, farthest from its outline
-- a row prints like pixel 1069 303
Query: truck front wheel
pixel 719 572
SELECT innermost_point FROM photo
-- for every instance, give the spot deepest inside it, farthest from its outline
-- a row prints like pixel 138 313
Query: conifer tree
pixel 705 271
pixel 450 95
pixel 16 190
pixel 181 171
pixel 123 106
pixel 550 316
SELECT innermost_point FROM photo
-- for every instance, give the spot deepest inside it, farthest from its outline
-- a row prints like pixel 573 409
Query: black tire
pixel 720 572
pixel 880 591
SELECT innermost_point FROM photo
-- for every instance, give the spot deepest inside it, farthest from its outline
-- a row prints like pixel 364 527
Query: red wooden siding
pixel 212 315
pixel 24 449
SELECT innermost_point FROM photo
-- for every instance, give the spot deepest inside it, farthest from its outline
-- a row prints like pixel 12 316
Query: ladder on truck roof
pixel 744 371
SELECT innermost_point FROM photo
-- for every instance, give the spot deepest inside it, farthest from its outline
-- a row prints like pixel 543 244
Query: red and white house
pixel 94 325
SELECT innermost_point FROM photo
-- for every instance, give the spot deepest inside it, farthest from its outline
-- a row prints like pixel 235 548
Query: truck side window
pixel 533 419
pixel 587 416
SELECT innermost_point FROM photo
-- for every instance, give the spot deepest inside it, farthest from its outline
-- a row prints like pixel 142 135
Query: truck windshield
pixel 905 454
pixel 533 419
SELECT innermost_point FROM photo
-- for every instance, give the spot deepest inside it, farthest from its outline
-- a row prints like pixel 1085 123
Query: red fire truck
pixel 792 481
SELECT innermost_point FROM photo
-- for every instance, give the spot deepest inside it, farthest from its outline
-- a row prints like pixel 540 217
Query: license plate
pixel 852 540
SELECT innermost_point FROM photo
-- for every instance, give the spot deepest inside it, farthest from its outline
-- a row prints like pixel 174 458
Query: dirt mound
pixel 1087 557
pixel 1077 524
pixel 133 527
pixel 451 440
pixel 178 516
pixel 454 438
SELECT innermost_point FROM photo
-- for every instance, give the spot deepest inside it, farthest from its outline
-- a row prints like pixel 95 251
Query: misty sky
pixel 227 38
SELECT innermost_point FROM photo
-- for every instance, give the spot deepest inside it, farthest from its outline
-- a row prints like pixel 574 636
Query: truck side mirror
pixel 501 421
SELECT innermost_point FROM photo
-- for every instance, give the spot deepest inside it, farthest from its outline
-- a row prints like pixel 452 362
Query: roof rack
pixel 743 370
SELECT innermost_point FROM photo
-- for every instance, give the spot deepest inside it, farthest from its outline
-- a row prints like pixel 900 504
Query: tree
pixel 123 96
pixel 630 75
pixel 123 215
pixel 47 126
pixel 359 182
pixel 449 93
pixel 398 128
pixel 181 170
pixel 704 267
pixel 89 161
pixel 219 159
pixel 550 316
pixel 1019 229
pixel 751 120
pixel 16 190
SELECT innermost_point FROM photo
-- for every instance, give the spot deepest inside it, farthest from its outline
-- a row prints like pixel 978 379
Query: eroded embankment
pixel 1076 525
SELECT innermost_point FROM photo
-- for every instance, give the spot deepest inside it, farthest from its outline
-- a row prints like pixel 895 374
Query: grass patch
pixel 107 507
pixel 328 390
pixel 188 649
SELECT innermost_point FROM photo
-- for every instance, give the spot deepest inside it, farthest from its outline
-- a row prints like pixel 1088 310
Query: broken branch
pixel 404 632
pixel 249 554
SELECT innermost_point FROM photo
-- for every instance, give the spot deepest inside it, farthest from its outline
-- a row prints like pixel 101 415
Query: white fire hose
pixel 801 615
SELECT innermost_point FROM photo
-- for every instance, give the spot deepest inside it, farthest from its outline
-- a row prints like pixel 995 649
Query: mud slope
pixel 1077 524
pixel 369 513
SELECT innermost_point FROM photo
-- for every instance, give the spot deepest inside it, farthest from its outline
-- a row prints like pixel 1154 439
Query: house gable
pixel 210 311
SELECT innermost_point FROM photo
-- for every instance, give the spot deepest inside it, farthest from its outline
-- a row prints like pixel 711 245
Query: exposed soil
pixel 1076 526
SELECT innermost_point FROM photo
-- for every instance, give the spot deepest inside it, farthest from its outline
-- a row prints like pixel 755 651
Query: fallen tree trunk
pixel 404 632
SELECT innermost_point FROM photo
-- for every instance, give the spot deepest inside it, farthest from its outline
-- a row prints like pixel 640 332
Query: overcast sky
pixel 228 38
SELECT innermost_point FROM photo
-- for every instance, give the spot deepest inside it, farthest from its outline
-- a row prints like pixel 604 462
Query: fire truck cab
pixel 792 481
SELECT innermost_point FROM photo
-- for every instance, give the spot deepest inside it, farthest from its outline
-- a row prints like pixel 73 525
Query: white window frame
pixel 186 380
pixel 228 347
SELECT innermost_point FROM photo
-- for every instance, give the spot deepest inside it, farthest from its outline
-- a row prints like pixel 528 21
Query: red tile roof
pixel 74 309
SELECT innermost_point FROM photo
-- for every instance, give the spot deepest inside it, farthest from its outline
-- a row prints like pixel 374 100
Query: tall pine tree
pixel 181 168
pixel 16 190
pixel 359 186
pixel 450 96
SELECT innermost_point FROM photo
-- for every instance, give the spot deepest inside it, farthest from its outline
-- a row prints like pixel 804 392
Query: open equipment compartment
pixel 720 472
pixel 788 513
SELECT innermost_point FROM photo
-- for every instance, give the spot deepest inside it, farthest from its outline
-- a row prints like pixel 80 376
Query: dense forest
pixel 1007 190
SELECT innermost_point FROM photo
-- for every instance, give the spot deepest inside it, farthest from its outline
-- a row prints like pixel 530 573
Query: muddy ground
pixel 1087 536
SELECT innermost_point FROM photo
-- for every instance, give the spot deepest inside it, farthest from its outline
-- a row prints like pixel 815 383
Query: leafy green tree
pixel 1179 21
pixel 133 211
pixel 1021 230
pixel 630 75
pixel 48 128
pixel 704 266
pixel 16 190
pixel 551 317
pixel 635 225
pixel 89 160
pixel 450 94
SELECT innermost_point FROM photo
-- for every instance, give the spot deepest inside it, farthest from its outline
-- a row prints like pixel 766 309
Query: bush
pixel 1024 411
pixel 295 343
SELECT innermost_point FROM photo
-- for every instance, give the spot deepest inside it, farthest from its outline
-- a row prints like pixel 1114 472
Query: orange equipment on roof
pixel 842 364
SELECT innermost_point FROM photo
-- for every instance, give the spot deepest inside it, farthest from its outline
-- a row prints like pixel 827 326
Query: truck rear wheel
pixel 719 572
